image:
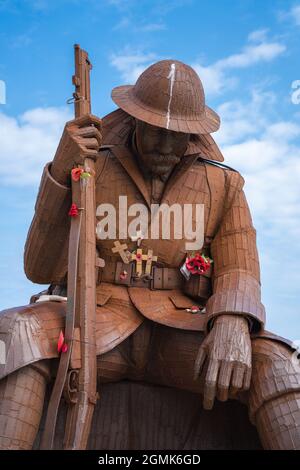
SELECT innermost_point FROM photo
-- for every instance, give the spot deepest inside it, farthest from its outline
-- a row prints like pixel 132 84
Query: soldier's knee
pixel 29 334
pixel 276 372
pixel 43 368
pixel 21 404
pixel 276 363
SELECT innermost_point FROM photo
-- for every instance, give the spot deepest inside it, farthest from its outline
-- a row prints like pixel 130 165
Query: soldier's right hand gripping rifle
pixel 77 371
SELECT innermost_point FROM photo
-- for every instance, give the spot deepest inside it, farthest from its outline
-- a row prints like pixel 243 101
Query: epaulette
pixel 218 164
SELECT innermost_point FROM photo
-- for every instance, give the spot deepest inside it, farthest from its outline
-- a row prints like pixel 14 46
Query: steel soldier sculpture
pixel 164 316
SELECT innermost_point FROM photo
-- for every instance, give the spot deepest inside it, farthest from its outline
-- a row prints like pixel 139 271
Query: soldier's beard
pixel 160 165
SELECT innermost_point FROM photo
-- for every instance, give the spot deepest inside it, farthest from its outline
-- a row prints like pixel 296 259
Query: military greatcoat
pixel 232 286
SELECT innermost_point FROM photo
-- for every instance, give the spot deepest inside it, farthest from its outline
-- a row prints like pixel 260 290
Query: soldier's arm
pixel 46 248
pixel 235 305
pixel 236 278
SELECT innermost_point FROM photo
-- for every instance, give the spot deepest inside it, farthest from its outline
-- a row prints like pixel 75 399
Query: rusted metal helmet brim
pixel 126 100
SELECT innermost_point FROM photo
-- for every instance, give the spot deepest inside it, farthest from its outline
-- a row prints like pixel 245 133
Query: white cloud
pixel 122 24
pixel 295 14
pixel 291 15
pixel 28 142
pixel 150 27
pixel 131 64
pixel 2 92
pixel 258 36
pixel 126 23
pixel 21 40
pixel 251 55
pixel 215 76
pixel 241 120
pixel 214 79
pixel 266 153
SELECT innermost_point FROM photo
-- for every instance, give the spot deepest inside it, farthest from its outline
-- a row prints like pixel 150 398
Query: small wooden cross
pixel 121 249
pixel 150 258
pixel 139 257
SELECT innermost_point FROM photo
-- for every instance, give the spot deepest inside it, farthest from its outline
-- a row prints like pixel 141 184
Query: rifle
pixel 77 371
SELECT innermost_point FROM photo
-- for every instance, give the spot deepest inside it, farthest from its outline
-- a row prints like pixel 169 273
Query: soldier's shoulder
pixel 232 177
pixel 116 127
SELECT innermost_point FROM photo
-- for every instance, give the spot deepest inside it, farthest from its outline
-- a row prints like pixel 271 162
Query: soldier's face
pixel 159 149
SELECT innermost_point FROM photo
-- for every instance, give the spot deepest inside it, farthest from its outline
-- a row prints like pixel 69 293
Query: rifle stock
pixel 77 372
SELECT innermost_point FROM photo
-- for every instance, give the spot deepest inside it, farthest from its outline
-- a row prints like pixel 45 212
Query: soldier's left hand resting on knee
pixel 226 351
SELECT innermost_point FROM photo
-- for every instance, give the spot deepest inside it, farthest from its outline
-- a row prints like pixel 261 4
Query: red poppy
pixel 123 275
pixel 61 345
pixel 198 264
pixel 73 212
pixel 76 173
pixel 194 309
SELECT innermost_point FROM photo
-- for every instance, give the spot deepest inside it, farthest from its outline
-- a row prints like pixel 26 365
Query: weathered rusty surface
pixel 146 335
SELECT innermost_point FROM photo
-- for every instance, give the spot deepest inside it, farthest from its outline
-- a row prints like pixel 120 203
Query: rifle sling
pixel 50 424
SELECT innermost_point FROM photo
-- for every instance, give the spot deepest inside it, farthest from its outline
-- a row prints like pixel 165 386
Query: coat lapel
pixel 185 163
pixel 127 160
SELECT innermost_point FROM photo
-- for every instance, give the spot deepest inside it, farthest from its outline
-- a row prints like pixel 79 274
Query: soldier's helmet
pixel 168 94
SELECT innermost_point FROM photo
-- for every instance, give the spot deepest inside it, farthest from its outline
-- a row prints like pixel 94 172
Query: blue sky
pixel 247 54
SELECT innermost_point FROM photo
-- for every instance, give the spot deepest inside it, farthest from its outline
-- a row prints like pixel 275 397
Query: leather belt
pixel 124 274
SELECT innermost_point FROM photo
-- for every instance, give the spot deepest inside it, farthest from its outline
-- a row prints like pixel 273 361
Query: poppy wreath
pixel 198 264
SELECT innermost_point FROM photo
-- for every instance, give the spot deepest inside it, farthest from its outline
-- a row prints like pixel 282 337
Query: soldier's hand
pixel 81 138
pixel 226 351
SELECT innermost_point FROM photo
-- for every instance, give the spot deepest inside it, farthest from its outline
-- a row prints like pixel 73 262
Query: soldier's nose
pixel 165 147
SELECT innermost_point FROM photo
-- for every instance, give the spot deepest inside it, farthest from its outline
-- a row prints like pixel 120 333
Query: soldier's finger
pixel 210 385
pixel 247 378
pixel 88 120
pixel 85 152
pixel 199 362
pixel 89 143
pixel 89 132
pixel 224 380
pixel 238 376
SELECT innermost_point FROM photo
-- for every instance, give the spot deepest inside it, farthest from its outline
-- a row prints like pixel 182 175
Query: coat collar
pixel 128 162
pixel 126 157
